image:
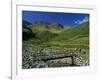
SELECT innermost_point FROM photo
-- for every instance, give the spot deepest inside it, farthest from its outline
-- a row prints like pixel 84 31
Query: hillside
pixel 76 35
pixel 57 35
pixel 41 38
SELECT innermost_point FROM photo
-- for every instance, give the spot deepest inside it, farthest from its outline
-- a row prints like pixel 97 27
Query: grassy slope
pixel 68 37
pixel 73 37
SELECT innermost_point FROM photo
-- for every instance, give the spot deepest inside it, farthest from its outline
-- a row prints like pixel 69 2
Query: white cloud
pixel 82 21
pixel 76 22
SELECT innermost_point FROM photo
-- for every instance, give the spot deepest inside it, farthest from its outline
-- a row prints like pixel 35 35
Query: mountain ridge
pixel 59 36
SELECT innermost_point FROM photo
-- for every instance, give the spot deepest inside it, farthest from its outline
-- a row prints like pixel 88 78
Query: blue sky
pixel 66 19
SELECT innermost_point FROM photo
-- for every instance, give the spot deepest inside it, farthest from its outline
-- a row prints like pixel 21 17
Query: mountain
pixel 56 26
pixel 26 30
pixel 39 26
pixel 42 26
pixel 80 30
pixel 43 33
pixel 75 36
pixel 25 23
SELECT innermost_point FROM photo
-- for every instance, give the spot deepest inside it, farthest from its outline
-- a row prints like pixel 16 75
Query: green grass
pixel 56 36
